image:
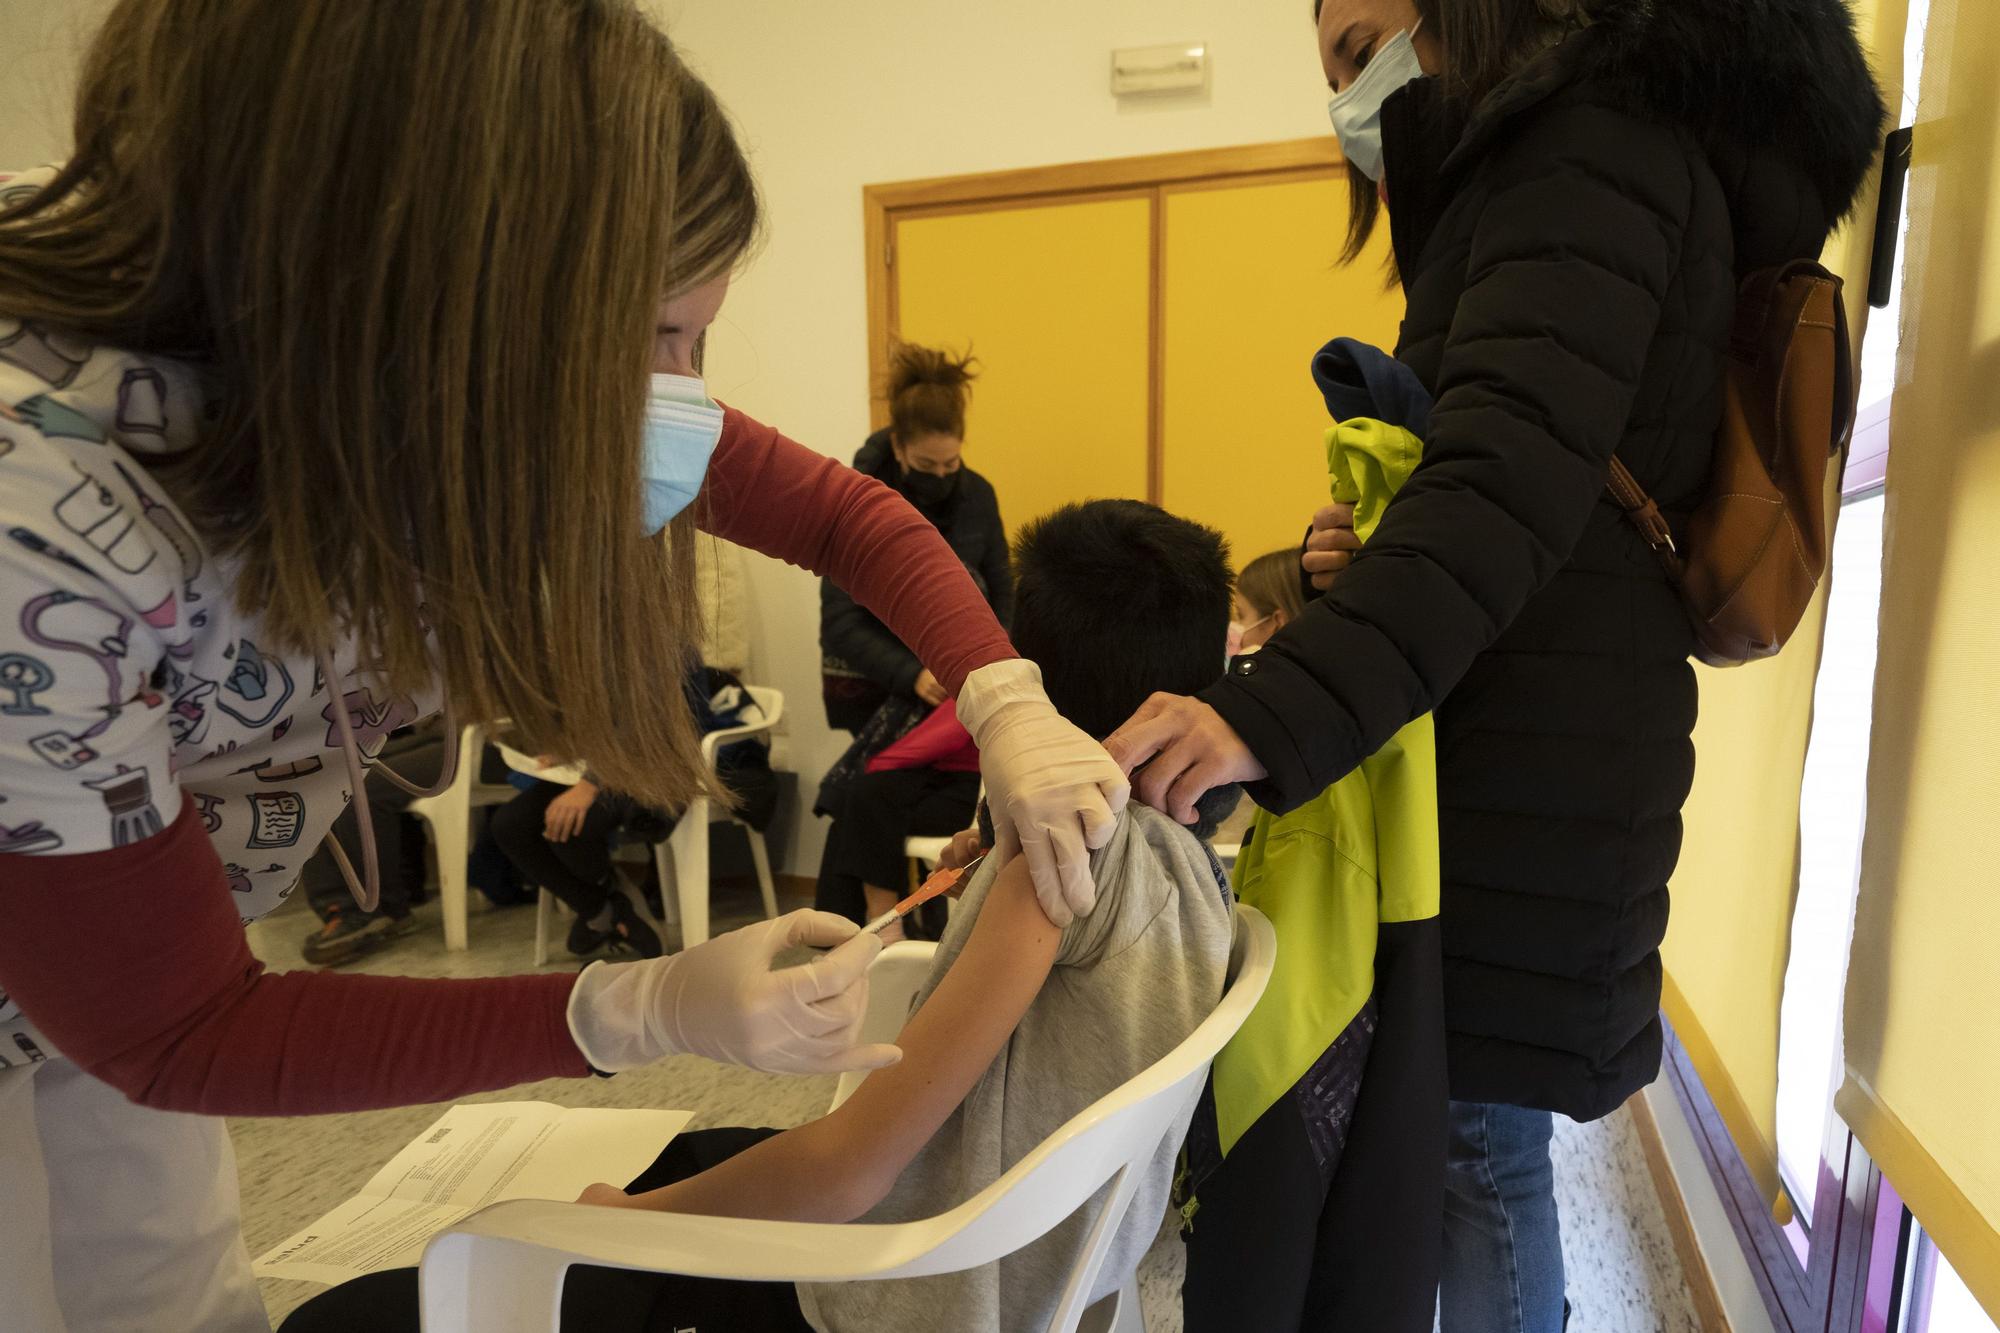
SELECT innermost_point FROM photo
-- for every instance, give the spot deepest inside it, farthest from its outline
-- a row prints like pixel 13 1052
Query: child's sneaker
pixel 585 939
pixel 633 931
pixel 348 935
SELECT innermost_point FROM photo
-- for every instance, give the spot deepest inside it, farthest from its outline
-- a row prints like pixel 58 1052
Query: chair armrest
pixel 894 979
pixel 739 1249
pixel 769 703
pixel 715 740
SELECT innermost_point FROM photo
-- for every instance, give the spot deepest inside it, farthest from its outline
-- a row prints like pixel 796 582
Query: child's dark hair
pixel 927 392
pixel 1117 600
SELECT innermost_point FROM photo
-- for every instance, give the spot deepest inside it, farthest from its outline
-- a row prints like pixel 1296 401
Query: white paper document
pixel 472 1156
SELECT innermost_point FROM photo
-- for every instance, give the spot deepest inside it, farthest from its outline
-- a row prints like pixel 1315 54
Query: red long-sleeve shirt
pixel 133 962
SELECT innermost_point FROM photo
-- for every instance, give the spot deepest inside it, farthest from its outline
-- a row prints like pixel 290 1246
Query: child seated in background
pixel 559 836
pixel 1020 1025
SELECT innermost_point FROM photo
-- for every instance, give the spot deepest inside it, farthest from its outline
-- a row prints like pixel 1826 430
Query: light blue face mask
pixel 683 425
pixel 1356 110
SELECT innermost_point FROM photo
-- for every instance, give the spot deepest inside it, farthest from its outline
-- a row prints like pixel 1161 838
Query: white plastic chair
pixel 927 851
pixel 449 817
pixel 501 1269
pixel 682 859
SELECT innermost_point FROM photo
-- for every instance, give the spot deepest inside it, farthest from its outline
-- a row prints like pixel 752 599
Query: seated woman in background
pixel 926 783
pixel 1268 598
pixel 560 836
pixel 1019 1026
pixel 921 455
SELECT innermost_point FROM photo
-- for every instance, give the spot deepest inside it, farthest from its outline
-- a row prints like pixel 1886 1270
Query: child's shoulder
pixel 1150 871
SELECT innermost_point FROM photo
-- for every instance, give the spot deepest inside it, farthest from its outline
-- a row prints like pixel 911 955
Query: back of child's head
pixel 1117 600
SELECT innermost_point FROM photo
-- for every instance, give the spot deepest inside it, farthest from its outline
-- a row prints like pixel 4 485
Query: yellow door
pixel 1055 301
pixel 1252 289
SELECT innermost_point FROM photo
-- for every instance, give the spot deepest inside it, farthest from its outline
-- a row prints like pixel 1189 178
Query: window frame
pixel 1830 1290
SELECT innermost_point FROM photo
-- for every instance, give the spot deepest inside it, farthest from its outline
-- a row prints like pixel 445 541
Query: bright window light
pixel 1831 810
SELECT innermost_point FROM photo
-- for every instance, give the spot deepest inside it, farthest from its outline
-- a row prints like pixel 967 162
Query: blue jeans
pixel 1503 1264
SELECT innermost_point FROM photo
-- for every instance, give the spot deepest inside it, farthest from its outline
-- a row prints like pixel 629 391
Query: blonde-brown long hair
pixel 416 246
pixel 1270 584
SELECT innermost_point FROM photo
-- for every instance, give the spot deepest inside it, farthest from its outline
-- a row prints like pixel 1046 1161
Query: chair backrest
pixel 466 790
pixel 770 704
pixel 1108 1141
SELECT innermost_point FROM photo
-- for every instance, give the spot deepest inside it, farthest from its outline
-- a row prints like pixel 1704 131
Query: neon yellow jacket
pixel 1361 854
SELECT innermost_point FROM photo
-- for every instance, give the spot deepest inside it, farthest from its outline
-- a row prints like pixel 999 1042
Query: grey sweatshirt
pixel 1130 982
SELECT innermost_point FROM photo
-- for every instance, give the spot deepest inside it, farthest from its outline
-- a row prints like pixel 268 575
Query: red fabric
pixel 133 962
pixel 776 496
pixel 936 742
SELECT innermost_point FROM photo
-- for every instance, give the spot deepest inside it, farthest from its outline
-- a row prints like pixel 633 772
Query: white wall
pixel 832 97
pixel 42 41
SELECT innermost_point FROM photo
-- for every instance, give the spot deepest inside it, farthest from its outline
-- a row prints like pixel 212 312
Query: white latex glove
pixel 722 999
pixel 1053 792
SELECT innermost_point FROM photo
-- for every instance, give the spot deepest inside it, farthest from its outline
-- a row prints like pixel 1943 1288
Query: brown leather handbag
pixel 1755 547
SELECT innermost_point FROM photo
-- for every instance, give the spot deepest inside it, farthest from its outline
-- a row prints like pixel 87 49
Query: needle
pixel 940 882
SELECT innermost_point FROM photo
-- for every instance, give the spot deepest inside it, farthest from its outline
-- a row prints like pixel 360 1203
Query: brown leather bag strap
pixel 1645 515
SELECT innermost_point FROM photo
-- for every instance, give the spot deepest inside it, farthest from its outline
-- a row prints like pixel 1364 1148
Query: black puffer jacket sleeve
pixel 849 632
pixel 1571 260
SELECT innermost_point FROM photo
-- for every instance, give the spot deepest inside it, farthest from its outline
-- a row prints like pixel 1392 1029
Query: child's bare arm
pixel 836 1168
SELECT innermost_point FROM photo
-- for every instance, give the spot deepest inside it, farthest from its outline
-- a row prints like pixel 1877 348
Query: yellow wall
pixel 1251 291
pixel 1184 315
pixel 1055 302
pixel 1730 933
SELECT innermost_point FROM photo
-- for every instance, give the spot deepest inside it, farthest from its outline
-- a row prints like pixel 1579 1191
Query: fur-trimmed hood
pixel 1758 82
pixel 1785 77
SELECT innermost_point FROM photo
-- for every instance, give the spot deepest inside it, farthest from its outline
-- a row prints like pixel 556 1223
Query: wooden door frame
pixel 1154 175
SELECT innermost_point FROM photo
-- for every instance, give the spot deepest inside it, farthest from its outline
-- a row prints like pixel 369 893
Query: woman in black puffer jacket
pixel 1573 193
pixel 863 666
pixel 921 455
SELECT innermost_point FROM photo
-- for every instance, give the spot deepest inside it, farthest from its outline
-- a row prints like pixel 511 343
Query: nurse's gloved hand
pixel 1053 792
pixel 722 999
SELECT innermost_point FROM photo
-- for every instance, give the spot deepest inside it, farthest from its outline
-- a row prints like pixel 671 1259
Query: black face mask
pixel 927 490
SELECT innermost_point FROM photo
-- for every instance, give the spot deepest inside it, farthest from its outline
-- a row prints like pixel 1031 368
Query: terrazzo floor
pixel 1624 1276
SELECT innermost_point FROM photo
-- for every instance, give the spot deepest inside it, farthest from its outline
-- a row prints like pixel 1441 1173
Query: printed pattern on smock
pixel 128 677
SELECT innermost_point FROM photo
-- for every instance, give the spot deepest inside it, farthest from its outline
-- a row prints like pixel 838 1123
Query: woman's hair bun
pixel 928 387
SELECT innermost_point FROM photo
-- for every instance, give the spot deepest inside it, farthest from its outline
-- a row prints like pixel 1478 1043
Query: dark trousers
pixel 595 1300
pixel 399 845
pixel 1328 1213
pixel 577 871
pixel 865 844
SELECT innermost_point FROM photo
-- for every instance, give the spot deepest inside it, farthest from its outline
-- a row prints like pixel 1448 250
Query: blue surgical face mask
pixel 683 426
pixel 1356 110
